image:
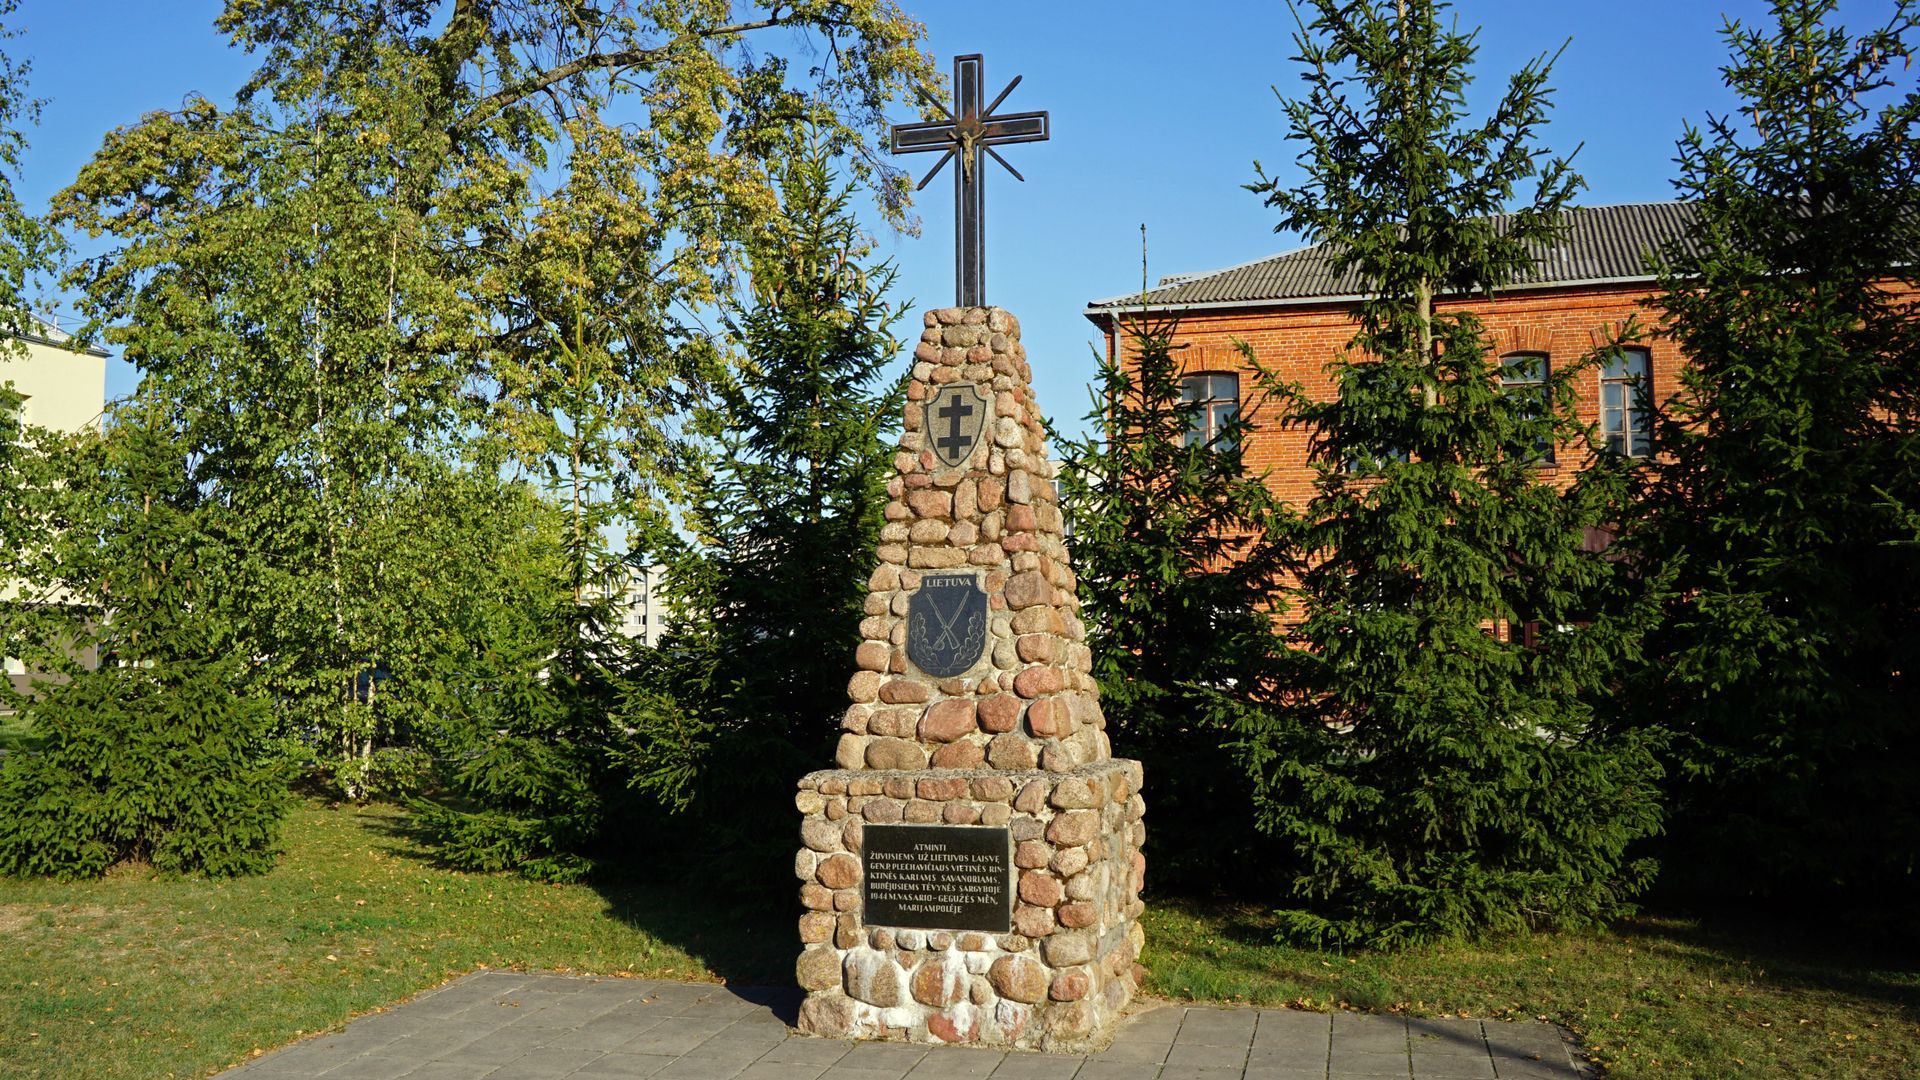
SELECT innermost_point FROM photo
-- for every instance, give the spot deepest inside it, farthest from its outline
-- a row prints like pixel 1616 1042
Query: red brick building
pixel 1296 314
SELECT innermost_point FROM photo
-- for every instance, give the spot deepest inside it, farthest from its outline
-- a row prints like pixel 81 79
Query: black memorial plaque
pixel 938 877
pixel 947 624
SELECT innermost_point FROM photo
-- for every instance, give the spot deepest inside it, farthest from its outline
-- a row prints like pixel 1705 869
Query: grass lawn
pixel 1654 997
pixel 15 732
pixel 135 976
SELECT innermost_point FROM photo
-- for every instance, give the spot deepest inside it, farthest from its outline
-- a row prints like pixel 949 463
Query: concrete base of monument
pixel 971 906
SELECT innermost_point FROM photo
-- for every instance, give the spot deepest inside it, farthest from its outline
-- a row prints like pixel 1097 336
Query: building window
pixel 1525 374
pixel 1216 400
pixel 1626 394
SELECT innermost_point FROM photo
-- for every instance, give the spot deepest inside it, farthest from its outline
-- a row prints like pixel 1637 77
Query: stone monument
pixel 972 870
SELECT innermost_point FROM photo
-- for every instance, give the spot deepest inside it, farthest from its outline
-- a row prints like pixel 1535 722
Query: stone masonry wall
pixel 1015 741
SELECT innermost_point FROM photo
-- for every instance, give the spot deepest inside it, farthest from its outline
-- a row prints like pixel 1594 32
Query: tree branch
pixel 603 61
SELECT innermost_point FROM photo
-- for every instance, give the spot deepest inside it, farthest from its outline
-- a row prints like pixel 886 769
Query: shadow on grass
pixel 1799 952
pixel 743 932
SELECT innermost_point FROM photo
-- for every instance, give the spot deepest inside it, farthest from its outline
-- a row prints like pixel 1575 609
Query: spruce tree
pixel 747 692
pixel 1787 665
pixel 1437 777
pixel 1179 552
pixel 155 754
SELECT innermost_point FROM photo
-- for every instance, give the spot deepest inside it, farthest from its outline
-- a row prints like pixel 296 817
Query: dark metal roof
pixel 1601 243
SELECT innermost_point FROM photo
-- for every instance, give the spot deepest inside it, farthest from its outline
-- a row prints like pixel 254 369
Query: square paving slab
pixel 513 1026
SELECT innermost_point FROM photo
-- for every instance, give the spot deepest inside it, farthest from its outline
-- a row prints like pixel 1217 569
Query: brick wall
pixel 1297 341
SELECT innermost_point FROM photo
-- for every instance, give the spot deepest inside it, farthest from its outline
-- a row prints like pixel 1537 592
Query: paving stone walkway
pixel 508 1026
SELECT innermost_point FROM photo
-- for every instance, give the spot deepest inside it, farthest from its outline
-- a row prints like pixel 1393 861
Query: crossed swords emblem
pixel 946 639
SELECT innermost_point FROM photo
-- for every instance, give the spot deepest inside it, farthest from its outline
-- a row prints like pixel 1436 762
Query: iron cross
pixel 973 130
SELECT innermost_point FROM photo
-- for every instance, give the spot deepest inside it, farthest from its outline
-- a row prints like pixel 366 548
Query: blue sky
pixel 1158 112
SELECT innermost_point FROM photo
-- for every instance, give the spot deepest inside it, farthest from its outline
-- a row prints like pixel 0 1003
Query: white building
pixel 62 390
pixel 65 390
pixel 639 608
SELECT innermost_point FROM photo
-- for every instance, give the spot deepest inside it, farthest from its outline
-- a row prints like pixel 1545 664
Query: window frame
pixel 1538 382
pixel 1632 440
pixel 1208 421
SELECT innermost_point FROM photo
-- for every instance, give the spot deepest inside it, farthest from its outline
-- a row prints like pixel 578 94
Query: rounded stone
pixel 1038 889
pixel 1075 793
pixel 851 753
pixel 942 789
pixel 1073 828
pixel 816 897
pixel 827 1015
pixel 1028 855
pixel 1000 713
pixel 1070 986
pixel 1028 589
pixel 1032 922
pixel 947 721
pixel 818 969
pixel 1038 648
pixel 1018 978
pixel 894 721
pixel 1069 861
pixel 1076 915
pixel 1069 1020
pixel 959 755
pixel 930 503
pixel 939 984
pixel 1010 751
pixel 896 754
pixel 1067 950
pixel 1035 681
pixel 820 835
pixel 992 789
pixel 1060 756
pixel 882 811
pixel 961 1024
pixel 816 927
pixel 863 686
pixel 840 872
pixel 1032 798
pixel 1045 716
pixel 902 691
pixel 873 977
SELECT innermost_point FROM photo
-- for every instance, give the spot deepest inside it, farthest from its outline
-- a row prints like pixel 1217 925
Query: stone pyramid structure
pixel 972 869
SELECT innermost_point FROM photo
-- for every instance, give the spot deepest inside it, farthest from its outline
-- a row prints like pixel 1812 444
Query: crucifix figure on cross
pixel 967 130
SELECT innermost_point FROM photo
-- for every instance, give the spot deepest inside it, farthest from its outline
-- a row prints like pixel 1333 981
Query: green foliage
pixel 745 694
pixel 1436 777
pixel 1787 463
pixel 157 755
pixel 428 242
pixel 1179 552
pixel 169 766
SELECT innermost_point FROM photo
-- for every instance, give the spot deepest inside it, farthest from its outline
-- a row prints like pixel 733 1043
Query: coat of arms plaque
pixel 947 624
pixel 956 417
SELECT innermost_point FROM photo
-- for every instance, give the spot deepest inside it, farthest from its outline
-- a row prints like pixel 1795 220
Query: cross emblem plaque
pixel 967 131
pixel 956 418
